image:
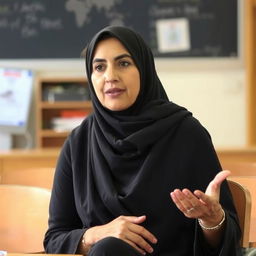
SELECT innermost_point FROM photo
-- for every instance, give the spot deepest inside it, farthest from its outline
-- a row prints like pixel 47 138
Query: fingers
pixel 142 232
pixel 202 196
pixel 197 205
pixel 138 240
pixel 212 205
pixel 139 229
pixel 135 246
pixel 136 235
pixel 201 205
pixel 187 203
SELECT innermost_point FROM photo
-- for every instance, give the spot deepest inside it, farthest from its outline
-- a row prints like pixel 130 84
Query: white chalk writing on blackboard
pixel 31 22
pixel 35 28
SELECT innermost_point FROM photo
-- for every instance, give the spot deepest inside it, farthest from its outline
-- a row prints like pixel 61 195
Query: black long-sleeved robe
pixel 127 163
pixel 82 198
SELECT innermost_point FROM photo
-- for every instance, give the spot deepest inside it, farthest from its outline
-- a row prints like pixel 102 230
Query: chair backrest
pixel 250 183
pixel 242 201
pixel 23 218
pixel 38 177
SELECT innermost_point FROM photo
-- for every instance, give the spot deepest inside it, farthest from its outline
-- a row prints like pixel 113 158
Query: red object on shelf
pixel 74 113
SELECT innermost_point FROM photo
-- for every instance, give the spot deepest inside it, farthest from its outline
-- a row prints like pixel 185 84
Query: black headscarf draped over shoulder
pixel 151 112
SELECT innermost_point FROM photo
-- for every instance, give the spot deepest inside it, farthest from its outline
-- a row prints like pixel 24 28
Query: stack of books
pixel 68 120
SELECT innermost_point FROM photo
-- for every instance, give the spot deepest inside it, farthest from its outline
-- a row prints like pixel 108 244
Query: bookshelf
pixel 61 102
pixel 250 25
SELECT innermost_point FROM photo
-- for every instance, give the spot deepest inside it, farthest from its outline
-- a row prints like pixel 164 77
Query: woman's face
pixel 115 77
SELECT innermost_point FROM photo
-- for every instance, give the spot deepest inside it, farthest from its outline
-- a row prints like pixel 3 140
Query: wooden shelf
pixel 50 111
pixel 52 133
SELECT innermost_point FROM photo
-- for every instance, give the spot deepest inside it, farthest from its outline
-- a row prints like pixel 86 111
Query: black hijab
pixel 120 142
pixel 151 112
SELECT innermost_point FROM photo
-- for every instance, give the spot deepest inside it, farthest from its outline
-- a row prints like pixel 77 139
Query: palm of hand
pixel 203 205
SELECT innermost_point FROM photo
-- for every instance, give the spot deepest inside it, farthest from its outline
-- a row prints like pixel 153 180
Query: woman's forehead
pixel 108 47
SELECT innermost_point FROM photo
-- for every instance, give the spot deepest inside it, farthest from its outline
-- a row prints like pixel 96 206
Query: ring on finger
pixel 190 210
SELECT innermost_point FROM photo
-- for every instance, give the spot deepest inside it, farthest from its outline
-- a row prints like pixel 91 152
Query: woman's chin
pixel 116 107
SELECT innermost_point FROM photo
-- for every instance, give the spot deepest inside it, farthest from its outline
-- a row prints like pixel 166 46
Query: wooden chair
pixel 23 218
pixel 242 201
pixel 38 177
pixel 250 183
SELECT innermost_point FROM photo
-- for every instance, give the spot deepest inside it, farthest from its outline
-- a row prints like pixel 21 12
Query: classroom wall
pixel 213 90
pixel 216 98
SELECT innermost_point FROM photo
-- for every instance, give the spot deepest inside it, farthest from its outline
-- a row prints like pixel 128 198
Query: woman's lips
pixel 114 92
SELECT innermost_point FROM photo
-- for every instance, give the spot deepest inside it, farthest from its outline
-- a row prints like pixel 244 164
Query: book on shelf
pixel 68 120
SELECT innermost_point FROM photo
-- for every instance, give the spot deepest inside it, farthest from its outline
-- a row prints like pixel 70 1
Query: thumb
pixel 221 176
pixel 213 188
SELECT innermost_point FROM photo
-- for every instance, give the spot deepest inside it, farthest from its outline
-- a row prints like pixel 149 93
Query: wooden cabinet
pixel 250 25
pixel 61 103
pixel 19 159
pixel 32 167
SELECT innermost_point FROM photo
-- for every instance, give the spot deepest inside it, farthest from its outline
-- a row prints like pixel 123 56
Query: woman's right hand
pixel 126 228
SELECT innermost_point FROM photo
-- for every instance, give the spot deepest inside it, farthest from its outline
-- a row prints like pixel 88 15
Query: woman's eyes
pixel 124 63
pixel 120 63
pixel 99 67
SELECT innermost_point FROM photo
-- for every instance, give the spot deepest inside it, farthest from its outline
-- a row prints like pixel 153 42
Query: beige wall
pixel 216 98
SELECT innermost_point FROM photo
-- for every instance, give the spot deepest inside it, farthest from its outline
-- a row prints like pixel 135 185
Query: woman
pixel 130 178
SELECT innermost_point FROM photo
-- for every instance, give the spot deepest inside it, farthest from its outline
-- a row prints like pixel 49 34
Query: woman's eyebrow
pixel 116 58
pixel 123 56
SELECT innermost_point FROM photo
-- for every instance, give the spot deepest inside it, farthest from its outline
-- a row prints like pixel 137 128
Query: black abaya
pixel 127 163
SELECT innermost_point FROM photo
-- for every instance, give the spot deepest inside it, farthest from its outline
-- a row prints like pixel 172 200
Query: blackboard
pixel 35 29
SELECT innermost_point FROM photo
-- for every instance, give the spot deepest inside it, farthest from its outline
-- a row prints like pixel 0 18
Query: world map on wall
pixel 82 10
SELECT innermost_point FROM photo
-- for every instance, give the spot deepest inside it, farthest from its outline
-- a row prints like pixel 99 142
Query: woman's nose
pixel 110 74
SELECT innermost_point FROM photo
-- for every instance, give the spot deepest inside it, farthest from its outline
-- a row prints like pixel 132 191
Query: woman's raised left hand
pixel 202 205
